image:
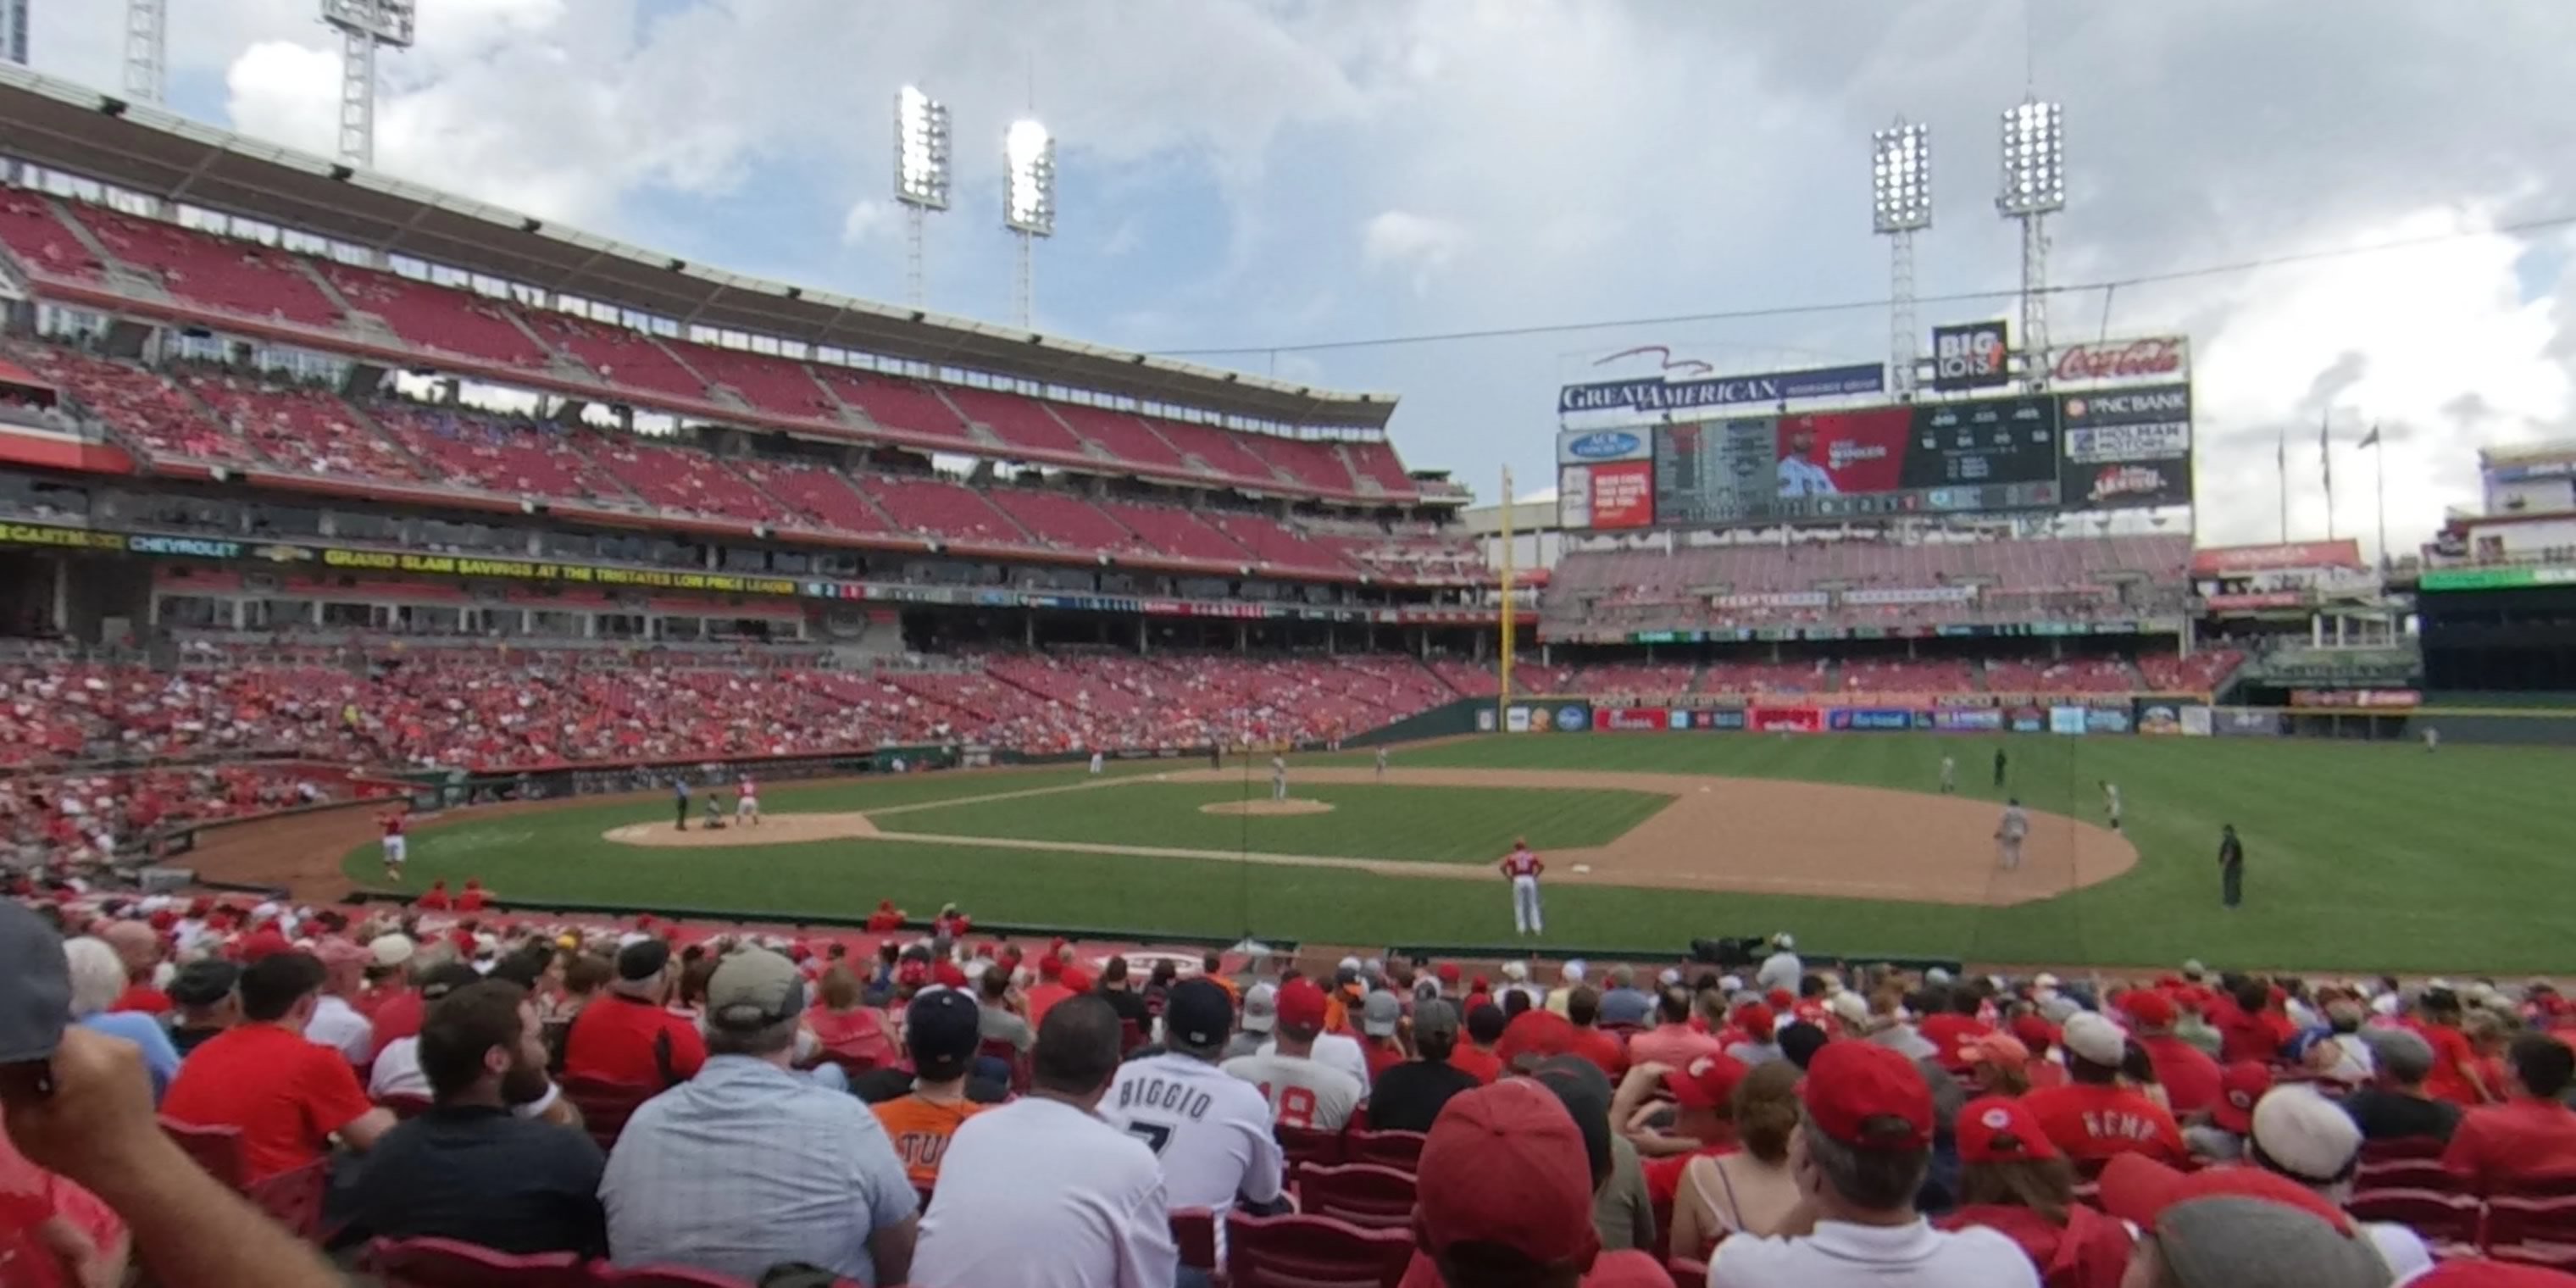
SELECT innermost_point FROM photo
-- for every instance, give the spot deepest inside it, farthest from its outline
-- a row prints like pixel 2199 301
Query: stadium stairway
pixel 121 277
pixel 401 450
pixel 356 321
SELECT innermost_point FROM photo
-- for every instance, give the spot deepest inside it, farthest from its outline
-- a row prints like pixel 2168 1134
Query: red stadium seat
pixel 2539 1231
pixel 216 1149
pixel 2401 1147
pixel 295 1198
pixel 405 1107
pixel 446 1263
pixel 1304 1145
pixel 663 1277
pixel 1401 1150
pixel 1364 1194
pixel 1298 1251
pixel 1688 1273
pixel 605 1106
pixel 2446 1219
pixel 2404 1174
pixel 1194 1233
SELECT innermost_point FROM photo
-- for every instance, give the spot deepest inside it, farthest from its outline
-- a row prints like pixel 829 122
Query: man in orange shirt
pixel 2093 1116
pixel 941 1031
pixel 2532 1135
pixel 287 1096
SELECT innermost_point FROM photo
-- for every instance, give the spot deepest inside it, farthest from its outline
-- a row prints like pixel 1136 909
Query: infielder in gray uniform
pixel 2009 833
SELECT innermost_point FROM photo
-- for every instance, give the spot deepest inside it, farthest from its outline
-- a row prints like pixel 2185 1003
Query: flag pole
pixel 1503 698
pixel 2325 470
pixel 2379 482
pixel 2281 467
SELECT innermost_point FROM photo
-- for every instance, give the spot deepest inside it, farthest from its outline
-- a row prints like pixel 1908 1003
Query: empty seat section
pixel 1067 522
pixel 1016 420
pixel 304 429
pixel 1908 675
pixel 1377 460
pixel 1222 451
pixel 135 403
pixel 821 494
pixel 32 232
pixel 624 358
pixel 217 272
pixel 771 383
pixel 2200 673
pixel 1309 461
pixel 1177 533
pixel 445 319
pixel 494 454
pixel 674 478
pixel 895 404
pixel 1121 435
pixel 938 508
pixel 1275 545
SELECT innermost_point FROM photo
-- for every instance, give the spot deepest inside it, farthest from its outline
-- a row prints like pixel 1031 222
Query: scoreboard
pixel 1986 456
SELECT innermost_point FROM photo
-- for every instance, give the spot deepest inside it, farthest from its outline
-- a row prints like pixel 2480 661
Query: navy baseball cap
pixel 1198 1014
pixel 206 982
pixel 38 1002
pixel 942 1028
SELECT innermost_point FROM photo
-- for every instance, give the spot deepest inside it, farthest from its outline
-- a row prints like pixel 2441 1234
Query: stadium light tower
pixel 1900 184
pixel 920 174
pixel 146 50
pixel 363 25
pixel 2034 187
pixel 1028 200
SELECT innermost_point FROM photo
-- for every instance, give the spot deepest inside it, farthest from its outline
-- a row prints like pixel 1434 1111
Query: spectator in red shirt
pixel 628 1036
pixel 433 899
pixel 2456 1076
pixel 1380 1018
pixel 1583 1010
pixel 1672 1041
pixel 2532 1135
pixel 472 899
pixel 287 1096
pixel 2189 1077
pixel 1476 1054
pixel 886 919
pixel 2094 1116
pixel 1049 990
pixel 2014 1181
pixel 139 948
pixel 1953 1026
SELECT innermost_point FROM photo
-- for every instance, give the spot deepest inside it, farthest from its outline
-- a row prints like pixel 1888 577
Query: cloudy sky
pixel 1282 178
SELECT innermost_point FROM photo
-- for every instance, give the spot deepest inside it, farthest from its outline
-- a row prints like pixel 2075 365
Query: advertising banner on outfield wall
pixel 1873 719
pixel 1729 720
pixel 1968 721
pixel 1516 719
pixel 1485 720
pixel 2028 720
pixel 2160 717
pixel 2066 720
pixel 2245 722
pixel 2369 699
pixel 1785 720
pixel 2106 720
pixel 1640 719
pixel 2196 722
pixel 1761 389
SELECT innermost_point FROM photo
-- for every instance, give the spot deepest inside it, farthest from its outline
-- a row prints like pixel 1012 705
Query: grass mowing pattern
pixel 1426 824
pixel 2359 857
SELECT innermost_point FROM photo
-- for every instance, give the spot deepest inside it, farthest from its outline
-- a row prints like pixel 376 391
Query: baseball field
pixel 2359 856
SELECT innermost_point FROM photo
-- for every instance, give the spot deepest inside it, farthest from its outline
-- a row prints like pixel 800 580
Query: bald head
pixel 137 945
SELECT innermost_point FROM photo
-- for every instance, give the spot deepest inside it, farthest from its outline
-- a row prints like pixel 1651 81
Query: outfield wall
pixel 2152 715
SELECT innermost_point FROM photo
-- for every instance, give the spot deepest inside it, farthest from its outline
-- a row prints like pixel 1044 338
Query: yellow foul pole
pixel 1503 701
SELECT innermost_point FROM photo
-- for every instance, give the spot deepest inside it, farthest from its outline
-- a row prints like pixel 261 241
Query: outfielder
pixel 2111 803
pixel 746 803
pixel 2432 740
pixel 1098 761
pixel 392 822
pixel 1278 778
pixel 1523 868
pixel 1381 762
pixel 1949 774
pixel 2009 833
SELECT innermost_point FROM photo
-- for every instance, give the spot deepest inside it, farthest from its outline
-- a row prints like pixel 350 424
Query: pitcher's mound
pixel 777 829
pixel 1267 809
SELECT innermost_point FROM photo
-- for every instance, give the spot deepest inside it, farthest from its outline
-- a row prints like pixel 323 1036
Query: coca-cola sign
pixel 2164 357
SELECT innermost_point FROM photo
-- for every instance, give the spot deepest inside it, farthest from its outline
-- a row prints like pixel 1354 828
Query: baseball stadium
pixel 382 569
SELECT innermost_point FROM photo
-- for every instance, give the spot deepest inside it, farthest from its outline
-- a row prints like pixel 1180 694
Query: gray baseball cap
pixel 754 989
pixel 1434 1019
pixel 2253 1243
pixel 38 1001
pixel 1380 1014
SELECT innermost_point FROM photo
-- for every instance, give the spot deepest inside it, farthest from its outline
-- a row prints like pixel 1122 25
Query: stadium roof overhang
pixel 63 126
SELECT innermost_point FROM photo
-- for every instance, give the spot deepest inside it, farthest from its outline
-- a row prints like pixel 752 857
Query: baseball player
pixel 2231 867
pixel 1381 762
pixel 715 811
pixel 680 802
pixel 2432 740
pixel 2111 802
pixel 1098 761
pixel 746 802
pixel 1523 868
pixel 1949 774
pixel 392 821
pixel 1278 778
pixel 2010 831
pixel 1999 766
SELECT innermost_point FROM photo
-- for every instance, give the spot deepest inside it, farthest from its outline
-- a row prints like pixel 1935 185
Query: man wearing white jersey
pixel 2111 802
pixel 1041 1191
pixel 1211 1132
pixel 2009 832
pixel 1302 1091
pixel 746 803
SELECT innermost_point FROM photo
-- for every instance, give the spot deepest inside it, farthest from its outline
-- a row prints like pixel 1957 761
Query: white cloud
pixel 870 220
pixel 1418 245
pixel 288 93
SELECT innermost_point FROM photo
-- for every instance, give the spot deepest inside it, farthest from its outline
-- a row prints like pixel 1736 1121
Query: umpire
pixel 2231 866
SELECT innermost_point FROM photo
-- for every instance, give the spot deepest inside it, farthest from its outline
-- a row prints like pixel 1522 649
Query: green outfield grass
pixel 1429 824
pixel 2360 856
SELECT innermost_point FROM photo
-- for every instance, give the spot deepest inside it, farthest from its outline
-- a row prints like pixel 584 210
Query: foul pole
pixel 1503 696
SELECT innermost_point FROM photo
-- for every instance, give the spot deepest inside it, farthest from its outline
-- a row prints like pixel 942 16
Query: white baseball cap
pixel 1260 1008
pixel 2305 1135
pixel 2090 1036
pixel 1516 971
pixel 1784 940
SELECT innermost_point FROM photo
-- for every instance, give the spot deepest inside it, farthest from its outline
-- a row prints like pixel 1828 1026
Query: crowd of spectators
pixel 930 1105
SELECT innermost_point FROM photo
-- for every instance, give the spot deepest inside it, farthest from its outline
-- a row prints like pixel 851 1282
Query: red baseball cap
pixel 2001 1129
pixel 2473 1272
pixel 1707 1082
pixel 2137 1189
pixel 1077 979
pixel 1780 999
pixel 2035 1033
pixel 1050 966
pixel 1756 1020
pixel 1301 1004
pixel 2148 1008
pixel 1849 1084
pixel 950 974
pixel 2240 1085
pixel 1534 1033
pixel 1505 1164
pixel 1447 971
pixel 2002 1050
